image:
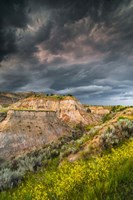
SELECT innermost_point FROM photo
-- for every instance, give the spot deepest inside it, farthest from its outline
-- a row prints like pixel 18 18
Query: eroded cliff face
pixel 68 110
pixel 24 131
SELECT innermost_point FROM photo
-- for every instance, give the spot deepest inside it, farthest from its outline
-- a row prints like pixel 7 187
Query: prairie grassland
pixel 108 177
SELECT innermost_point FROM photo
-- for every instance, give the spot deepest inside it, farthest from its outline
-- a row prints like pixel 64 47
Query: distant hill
pixel 8 98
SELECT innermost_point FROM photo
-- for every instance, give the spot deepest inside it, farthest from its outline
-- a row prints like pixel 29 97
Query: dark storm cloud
pixel 79 47
pixel 15 80
pixel 7 43
pixel 12 15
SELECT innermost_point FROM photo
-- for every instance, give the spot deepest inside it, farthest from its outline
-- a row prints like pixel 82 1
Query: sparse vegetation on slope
pixel 108 177
pixel 53 96
pixel 3 113
pixel 12 172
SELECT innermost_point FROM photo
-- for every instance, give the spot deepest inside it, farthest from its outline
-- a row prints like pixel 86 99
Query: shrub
pixel 118 108
pixel 88 110
pixel 107 177
pixel 12 172
pixel 106 117
pixel 116 133
pixel 70 95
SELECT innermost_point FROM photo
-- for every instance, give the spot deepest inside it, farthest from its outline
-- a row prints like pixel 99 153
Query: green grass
pixel 130 117
pixel 32 110
pixel 107 117
pixel 54 96
pixel 109 177
pixel 118 108
pixel 3 110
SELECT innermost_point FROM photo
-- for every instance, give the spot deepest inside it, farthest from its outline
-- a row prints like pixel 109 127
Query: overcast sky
pixel 82 47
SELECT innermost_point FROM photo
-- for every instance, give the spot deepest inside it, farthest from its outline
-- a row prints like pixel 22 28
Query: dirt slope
pixel 26 130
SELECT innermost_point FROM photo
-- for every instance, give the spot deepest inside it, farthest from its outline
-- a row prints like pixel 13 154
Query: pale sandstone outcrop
pixel 68 110
pixel 99 110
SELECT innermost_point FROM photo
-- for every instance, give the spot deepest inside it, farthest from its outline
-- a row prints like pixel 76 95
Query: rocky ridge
pixel 68 109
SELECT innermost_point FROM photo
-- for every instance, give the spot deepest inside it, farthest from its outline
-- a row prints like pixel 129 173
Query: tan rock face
pixel 99 110
pixel 25 130
pixel 68 110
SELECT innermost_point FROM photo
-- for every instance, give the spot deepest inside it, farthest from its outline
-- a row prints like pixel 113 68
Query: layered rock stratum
pixel 25 130
pixel 68 109
pixel 37 120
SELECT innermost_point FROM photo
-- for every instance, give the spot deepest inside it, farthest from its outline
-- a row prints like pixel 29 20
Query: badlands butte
pixel 30 120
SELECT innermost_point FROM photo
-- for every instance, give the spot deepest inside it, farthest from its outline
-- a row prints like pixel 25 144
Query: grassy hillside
pixel 107 177
pixel 92 163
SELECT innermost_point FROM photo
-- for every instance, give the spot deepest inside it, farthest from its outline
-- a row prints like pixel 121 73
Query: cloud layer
pixel 79 47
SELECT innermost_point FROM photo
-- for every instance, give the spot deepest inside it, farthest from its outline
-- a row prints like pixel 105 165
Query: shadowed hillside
pixel 8 98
